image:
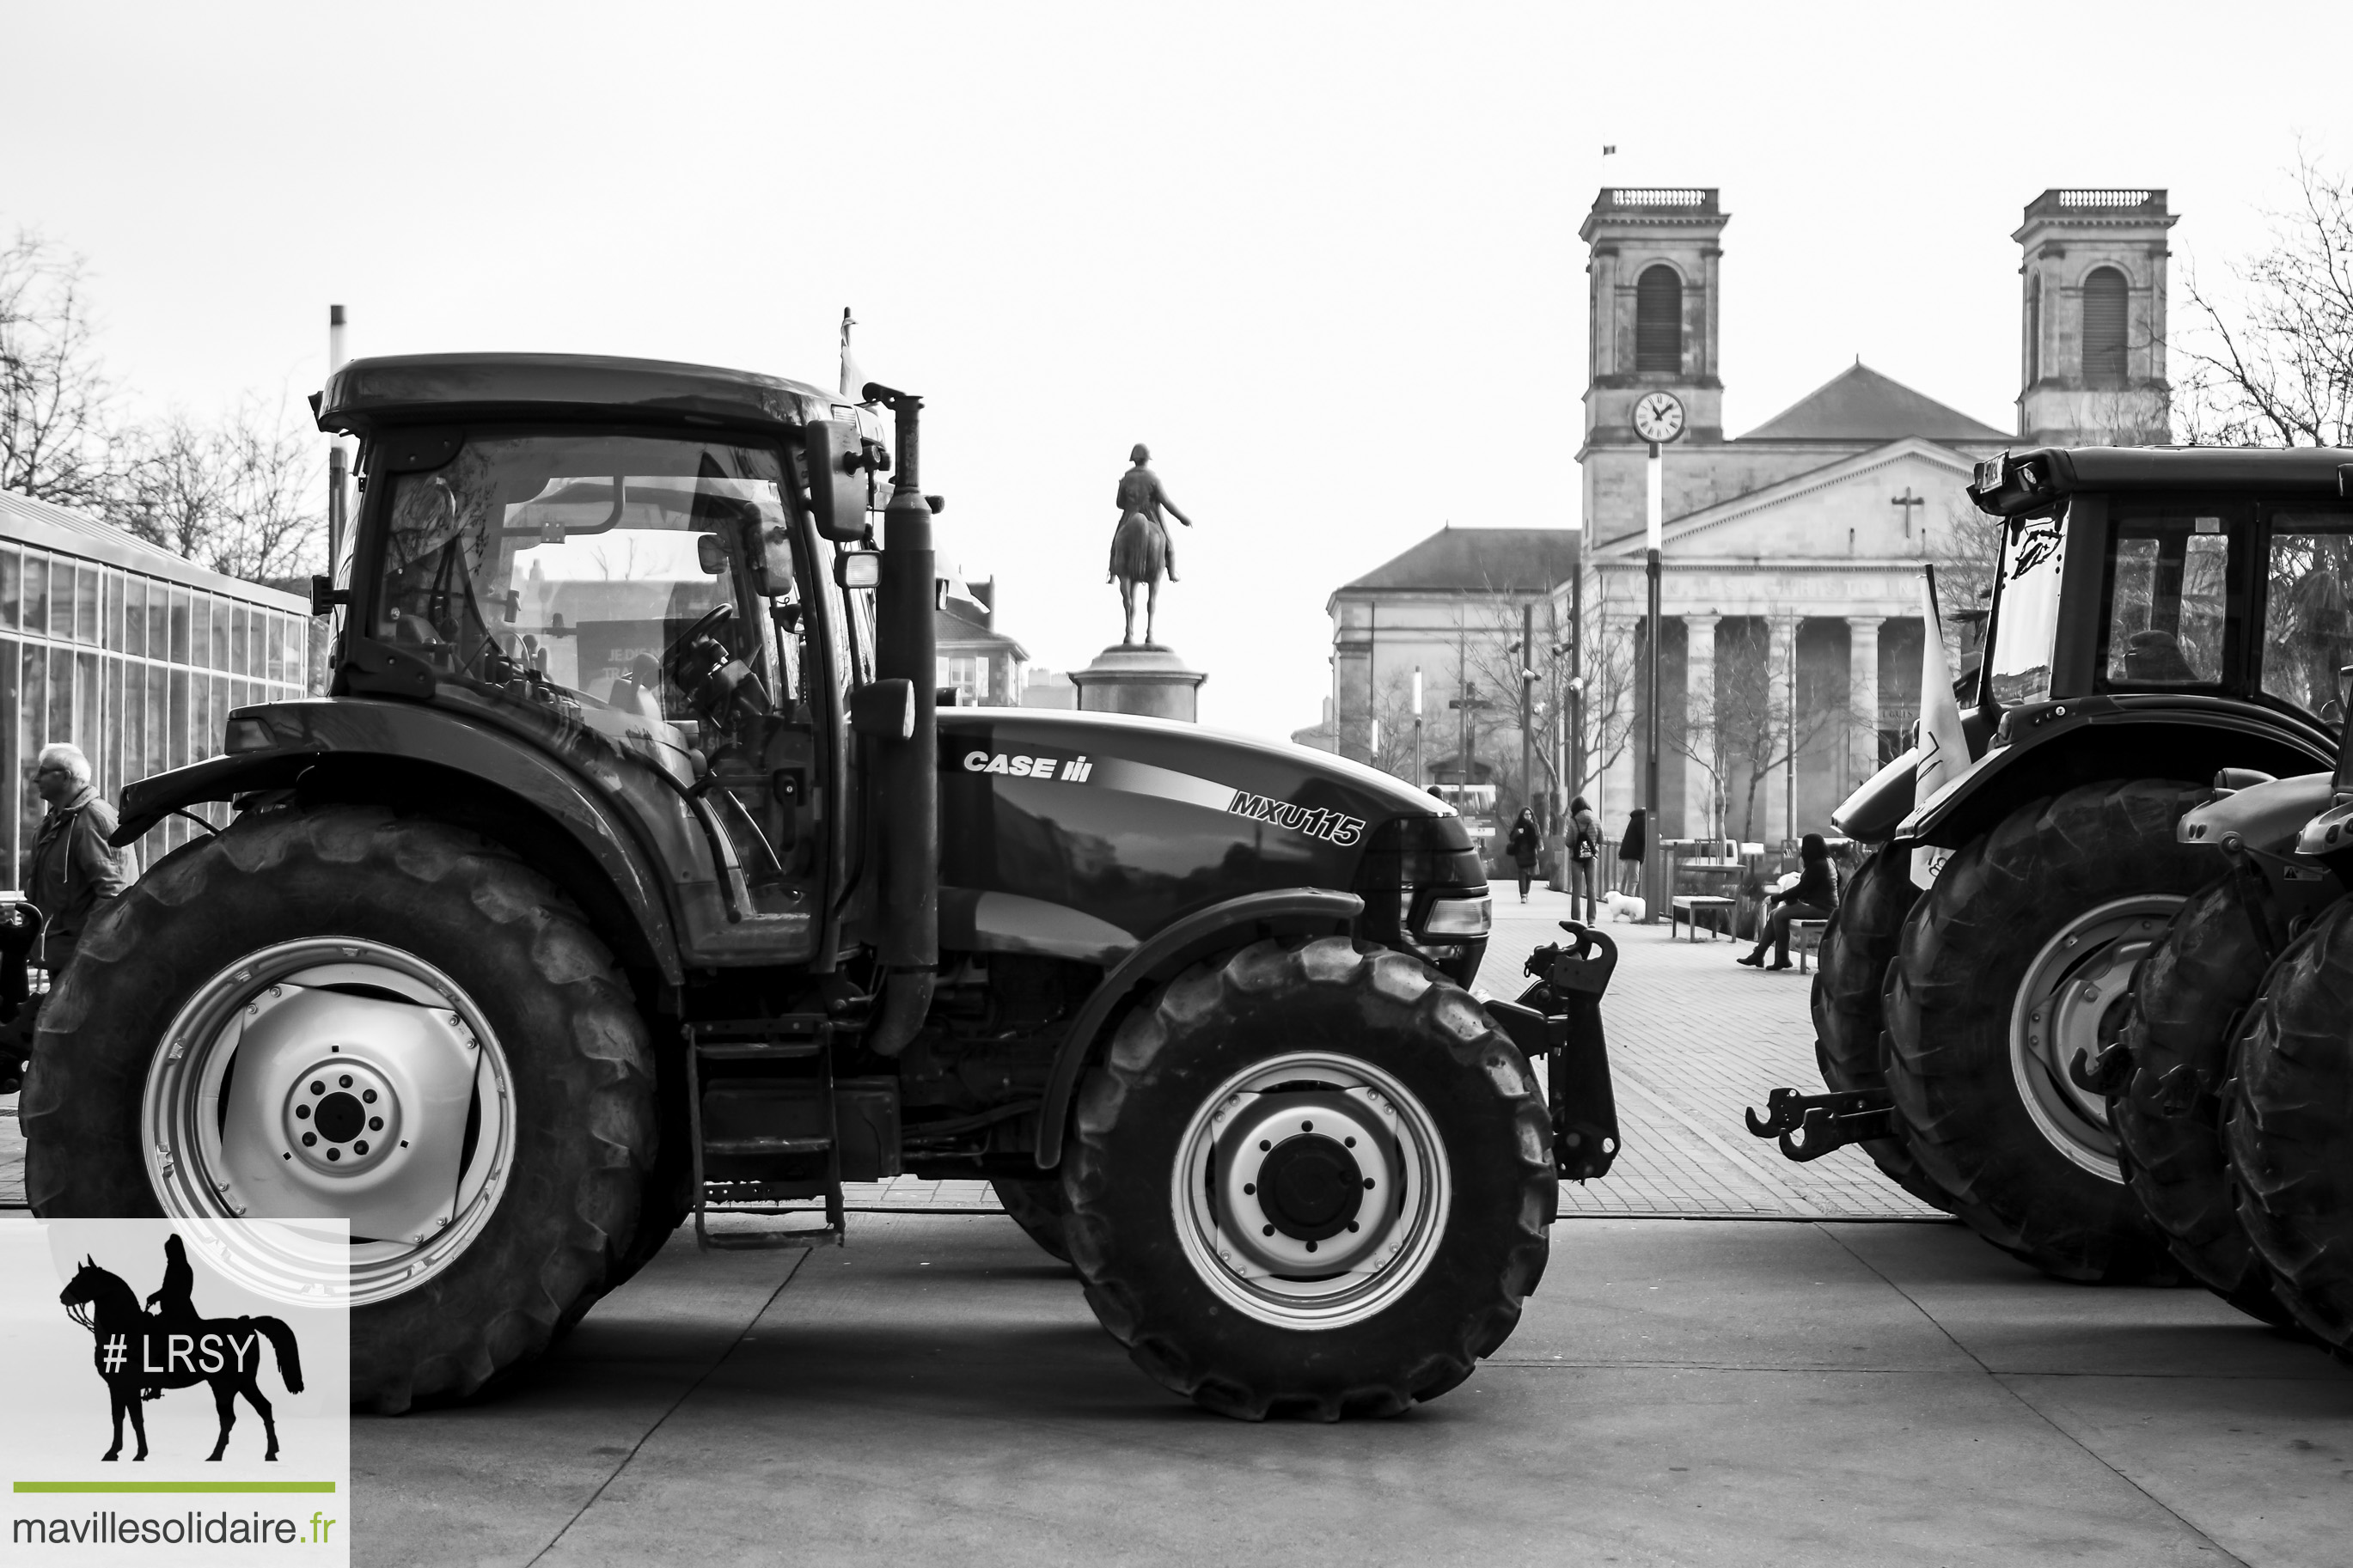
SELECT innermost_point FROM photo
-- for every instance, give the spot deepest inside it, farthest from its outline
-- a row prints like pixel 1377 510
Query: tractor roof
pixel 2019 482
pixel 404 388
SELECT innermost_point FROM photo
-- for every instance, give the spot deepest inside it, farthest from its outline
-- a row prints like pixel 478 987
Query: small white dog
pixel 1625 907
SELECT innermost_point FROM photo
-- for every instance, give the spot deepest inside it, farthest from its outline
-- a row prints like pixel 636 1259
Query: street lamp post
pixel 1419 782
pixel 1658 419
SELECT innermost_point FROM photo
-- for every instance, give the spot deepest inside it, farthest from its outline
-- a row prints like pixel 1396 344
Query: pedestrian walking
pixel 74 867
pixel 1814 898
pixel 1584 857
pixel 1525 843
pixel 1631 846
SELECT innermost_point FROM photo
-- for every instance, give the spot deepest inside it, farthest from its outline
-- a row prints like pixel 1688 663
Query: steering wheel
pixel 706 626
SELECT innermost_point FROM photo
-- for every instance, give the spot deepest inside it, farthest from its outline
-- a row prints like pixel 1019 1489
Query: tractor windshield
pixel 2026 611
pixel 567 570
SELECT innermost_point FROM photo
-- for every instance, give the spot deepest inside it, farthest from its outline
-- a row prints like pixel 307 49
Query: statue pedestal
pixel 1145 678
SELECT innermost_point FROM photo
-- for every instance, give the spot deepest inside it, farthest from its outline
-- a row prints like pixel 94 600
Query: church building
pixel 1792 553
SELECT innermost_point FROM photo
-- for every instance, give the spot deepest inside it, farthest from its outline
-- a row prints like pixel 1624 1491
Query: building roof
pixel 960 632
pixel 1861 404
pixel 48 526
pixel 1478 561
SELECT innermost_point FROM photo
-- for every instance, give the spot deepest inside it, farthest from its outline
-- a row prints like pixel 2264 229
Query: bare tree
pixel 2275 367
pixel 1741 731
pixel 1607 663
pixel 241 495
pixel 54 399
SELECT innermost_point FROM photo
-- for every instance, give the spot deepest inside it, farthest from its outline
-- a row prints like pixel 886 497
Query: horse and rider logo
pixel 141 1351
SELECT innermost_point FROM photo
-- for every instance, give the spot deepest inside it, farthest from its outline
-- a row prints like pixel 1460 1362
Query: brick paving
pixel 1694 1039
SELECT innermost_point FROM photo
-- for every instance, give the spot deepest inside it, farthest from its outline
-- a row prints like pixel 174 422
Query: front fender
pixel 336 733
pixel 1161 956
pixel 2263 816
pixel 2048 747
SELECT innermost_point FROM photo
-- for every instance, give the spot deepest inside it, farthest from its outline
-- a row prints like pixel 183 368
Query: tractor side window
pixel 2307 626
pixel 2026 610
pixel 603 576
pixel 2169 601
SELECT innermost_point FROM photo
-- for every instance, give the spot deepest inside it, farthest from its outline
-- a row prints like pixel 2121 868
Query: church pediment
pixel 1853 507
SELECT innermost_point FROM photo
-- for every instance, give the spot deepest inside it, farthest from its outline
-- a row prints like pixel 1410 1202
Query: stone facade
pixel 1793 555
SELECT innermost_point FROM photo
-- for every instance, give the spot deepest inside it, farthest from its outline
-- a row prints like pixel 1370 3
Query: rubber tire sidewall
pixel 1037 1203
pixel 2287 1123
pixel 575 1050
pixel 1390 1011
pixel 2205 971
pixel 1847 1002
pixel 1965 950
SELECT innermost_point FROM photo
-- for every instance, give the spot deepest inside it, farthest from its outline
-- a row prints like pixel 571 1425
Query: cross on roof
pixel 1907 501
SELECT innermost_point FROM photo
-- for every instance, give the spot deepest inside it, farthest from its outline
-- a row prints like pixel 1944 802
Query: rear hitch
pixel 1560 1013
pixel 1811 1125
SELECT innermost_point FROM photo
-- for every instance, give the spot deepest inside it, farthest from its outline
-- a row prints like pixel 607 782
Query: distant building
pixel 1792 553
pixel 1450 607
pixel 980 663
pixel 1049 689
pixel 130 653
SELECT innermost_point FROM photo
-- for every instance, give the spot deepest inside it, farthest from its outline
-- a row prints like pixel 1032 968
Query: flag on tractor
pixel 1944 748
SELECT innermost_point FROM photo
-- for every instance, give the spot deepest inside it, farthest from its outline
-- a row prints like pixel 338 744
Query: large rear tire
pixel 1850 1024
pixel 2288 1124
pixel 1310 1180
pixel 2188 995
pixel 2016 960
pixel 197 1059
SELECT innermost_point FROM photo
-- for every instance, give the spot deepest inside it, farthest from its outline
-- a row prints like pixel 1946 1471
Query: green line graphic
pixel 176 1485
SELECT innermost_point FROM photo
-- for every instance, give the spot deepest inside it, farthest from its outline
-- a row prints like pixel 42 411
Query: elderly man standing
pixel 73 865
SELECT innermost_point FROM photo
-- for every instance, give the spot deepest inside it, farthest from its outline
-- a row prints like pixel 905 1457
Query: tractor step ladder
pixel 731 1046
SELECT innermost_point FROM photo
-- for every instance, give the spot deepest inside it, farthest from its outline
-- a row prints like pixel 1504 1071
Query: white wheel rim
pixel 335 1077
pixel 1293 1250
pixel 2074 984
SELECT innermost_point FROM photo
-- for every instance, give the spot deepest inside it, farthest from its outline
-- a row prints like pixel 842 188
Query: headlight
pixel 247 735
pixel 1457 918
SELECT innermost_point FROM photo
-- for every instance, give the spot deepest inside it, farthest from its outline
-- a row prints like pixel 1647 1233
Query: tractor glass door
pixel 2026 611
pixel 2307 626
pixel 2170 598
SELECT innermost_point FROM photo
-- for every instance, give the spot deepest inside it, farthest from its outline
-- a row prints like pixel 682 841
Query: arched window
pixel 1659 320
pixel 2103 326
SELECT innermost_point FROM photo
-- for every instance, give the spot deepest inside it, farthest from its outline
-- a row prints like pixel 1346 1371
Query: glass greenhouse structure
pixel 128 652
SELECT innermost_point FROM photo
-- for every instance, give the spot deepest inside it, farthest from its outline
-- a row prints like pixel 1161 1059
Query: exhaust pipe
pixel 905 815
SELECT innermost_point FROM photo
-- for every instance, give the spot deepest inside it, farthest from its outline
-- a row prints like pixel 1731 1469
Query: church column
pixel 1781 641
pixel 1863 695
pixel 1699 725
pixel 1619 781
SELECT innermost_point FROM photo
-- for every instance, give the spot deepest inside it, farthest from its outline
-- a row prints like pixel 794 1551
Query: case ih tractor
pixel 2158 616
pixel 629 873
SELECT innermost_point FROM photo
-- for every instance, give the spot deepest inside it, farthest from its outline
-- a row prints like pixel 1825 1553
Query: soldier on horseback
pixel 1140 548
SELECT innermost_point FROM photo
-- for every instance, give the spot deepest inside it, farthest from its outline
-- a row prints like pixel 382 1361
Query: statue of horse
pixel 1140 549
pixel 136 1351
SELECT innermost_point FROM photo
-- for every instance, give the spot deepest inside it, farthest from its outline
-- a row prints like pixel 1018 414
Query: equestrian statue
pixel 1140 550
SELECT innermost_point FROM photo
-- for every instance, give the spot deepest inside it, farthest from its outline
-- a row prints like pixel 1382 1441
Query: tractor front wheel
pixel 1850 1023
pixel 1310 1179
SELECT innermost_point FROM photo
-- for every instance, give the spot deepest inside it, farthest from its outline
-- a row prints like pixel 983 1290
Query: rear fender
pixel 2048 747
pixel 349 748
pixel 1162 956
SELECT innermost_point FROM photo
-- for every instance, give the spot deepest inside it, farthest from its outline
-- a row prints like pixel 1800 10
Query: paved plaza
pixel 1731 1360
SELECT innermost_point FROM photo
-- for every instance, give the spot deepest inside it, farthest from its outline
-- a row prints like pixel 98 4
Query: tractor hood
pixel 1079 835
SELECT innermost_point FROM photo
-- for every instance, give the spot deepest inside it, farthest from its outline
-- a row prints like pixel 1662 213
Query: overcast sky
pixel 1323 259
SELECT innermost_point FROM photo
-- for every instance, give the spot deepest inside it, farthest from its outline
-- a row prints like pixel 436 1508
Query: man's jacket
pixel 73 867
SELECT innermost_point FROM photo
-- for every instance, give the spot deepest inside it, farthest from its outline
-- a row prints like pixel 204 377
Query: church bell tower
pixel 2092 322
pixel 1652 280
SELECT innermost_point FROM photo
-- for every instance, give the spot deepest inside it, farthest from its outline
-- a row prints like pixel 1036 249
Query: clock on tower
pixel 1659 417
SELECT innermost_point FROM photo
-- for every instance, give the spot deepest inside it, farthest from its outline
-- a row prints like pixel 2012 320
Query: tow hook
pixel 1811 1125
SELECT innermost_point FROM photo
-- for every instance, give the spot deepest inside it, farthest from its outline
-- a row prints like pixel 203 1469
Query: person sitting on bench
pixel 1813 898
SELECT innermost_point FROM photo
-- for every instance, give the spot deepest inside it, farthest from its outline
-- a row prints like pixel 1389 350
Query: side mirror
pixel 776 562
pixel 710 554
pixel 858 568
pixel 837 478
pixel 886 709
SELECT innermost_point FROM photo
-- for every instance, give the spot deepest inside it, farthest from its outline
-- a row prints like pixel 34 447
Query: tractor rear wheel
pixel 1858 945
pixel 2188 995
pixel 334 1012
pixel 1035 1204
pixel 2288 1124
pixel 2018 959
pixel 1310 1179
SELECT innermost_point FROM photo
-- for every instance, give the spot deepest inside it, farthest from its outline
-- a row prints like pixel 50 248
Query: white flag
pixel 853 380
pixel 1944 748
